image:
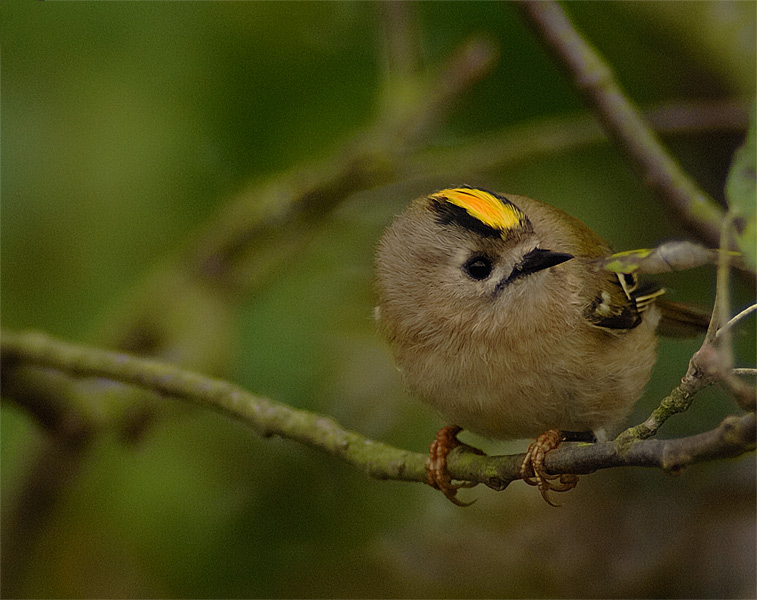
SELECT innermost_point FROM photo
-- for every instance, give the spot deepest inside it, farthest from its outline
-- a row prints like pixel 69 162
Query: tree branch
pixel 554 135
pixel 622 121
pixel 735 436
pixel 263 416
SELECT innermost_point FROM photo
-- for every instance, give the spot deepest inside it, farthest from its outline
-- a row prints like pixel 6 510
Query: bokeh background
pixel 125 126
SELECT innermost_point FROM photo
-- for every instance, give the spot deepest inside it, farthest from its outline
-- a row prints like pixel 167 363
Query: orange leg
pixel 532 470
pixel 436 465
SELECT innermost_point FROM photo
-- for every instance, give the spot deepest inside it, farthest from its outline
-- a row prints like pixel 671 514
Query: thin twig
pixel 718 364
pixel 594 79
pixel 736 319
pixel 722 309
pixel 745 372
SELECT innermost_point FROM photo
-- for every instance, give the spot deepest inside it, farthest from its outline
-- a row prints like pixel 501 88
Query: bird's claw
pixel 436 464
pixel 533 472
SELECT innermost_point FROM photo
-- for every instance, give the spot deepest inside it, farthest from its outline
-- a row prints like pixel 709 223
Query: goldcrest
pixel 499 318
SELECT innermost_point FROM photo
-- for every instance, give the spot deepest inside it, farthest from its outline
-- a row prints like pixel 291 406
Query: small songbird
pixel 500 318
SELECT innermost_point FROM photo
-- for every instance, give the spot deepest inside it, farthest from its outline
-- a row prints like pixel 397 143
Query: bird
pixel 500 317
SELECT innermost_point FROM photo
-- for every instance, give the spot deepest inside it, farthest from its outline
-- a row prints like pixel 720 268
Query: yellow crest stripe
pixel 484 206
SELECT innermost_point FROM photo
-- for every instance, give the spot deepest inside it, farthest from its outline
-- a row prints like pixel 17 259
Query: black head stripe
pixel 448 213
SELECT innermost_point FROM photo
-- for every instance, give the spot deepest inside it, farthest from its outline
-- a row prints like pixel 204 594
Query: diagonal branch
pixel 734 437
pixel 622 121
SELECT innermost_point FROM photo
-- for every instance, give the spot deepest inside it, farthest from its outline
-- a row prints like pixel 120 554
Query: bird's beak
pixel 536 260
pixel 539 259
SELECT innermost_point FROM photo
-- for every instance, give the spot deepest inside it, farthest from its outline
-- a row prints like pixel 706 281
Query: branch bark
pixel 735 435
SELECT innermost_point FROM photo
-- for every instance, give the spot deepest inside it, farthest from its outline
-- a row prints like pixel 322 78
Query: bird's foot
pixel 436 465
pixel 532 470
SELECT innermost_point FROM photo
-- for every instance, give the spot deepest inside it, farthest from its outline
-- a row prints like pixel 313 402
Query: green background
pixel 126 125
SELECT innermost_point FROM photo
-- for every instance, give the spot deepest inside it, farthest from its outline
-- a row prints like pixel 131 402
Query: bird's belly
pixel 583 395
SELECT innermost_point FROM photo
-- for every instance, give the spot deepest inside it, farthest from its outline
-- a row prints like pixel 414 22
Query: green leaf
pixel 741 191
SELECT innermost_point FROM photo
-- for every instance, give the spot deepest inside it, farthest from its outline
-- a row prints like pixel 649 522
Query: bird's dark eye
pixel 478 267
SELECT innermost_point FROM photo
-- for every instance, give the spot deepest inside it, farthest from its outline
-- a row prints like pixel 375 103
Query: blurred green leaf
pixel 741 191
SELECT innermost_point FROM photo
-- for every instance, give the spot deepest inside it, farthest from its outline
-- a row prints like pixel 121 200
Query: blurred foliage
pixel 741 189
pixel 126 124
